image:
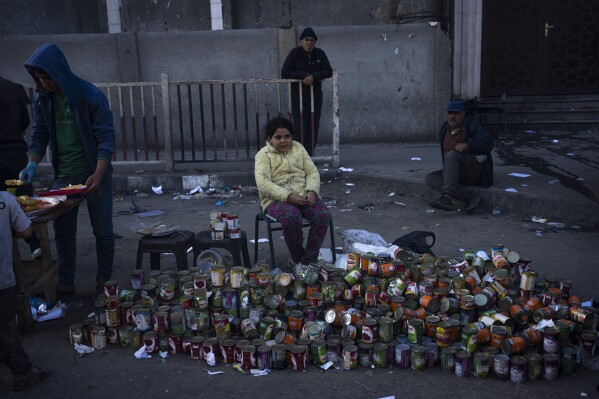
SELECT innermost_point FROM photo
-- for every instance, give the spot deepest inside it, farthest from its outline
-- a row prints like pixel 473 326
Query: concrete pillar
pixel 216 14
pixel 468 16
pixel 113 14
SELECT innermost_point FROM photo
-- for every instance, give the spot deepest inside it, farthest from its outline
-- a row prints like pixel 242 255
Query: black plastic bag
pixel 418 241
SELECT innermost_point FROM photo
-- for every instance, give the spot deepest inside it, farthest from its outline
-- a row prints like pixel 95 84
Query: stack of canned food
pixel 479 315
pixel 224 225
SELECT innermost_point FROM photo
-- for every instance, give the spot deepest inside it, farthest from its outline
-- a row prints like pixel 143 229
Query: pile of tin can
pixel 478 315
pixel 224 225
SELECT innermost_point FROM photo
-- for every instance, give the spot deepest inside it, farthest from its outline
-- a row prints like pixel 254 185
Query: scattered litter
pixel 83 349
pixel 347 191
pixel 496 211
pixel 511 190
pixel 142 354
pixel 162 354
pixel 213 372
pixel 342 169
pixel 415 159
pixel 327 365
pixel 55 313
pixel 350 184
pixel 258 372
pixel 198 189
pixel 259 240
pixel 518 174
pixel 555 141
pixel 429 210
pixel 570 154
pixel 539 233
pixel 554 181
pixel 530 131
pixel 157 190
pixel 359 383
pixel 538 219
pixel 523 185
pixel 400 203
pixel 345 210
pixel 392 194
pixel 367 207
pixel 581 179
pixel 330 203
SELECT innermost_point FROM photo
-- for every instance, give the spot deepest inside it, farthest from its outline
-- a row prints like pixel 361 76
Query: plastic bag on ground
pixel 351 236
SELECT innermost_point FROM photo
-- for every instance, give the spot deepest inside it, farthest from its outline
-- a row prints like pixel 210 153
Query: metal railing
pixel 179 122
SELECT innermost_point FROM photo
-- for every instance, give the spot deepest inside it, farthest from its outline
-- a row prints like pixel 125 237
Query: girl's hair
pixel 277 123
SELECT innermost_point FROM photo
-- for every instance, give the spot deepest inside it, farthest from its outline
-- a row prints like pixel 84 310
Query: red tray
pixel 64 191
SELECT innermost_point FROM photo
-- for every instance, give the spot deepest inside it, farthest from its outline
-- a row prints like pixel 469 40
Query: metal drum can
pixel 481 365
pixel 518 369
pixel 462 363
pixel 298 357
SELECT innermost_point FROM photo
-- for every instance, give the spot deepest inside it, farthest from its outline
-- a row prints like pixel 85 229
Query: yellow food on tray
pixel 73 187
pixel 29 204
pixel 14 182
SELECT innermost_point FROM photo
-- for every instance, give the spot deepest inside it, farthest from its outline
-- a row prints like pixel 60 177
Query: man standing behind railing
pixel 311 65
pixel 74 118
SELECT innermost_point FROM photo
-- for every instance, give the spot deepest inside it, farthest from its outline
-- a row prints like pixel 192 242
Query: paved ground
pixel 387 177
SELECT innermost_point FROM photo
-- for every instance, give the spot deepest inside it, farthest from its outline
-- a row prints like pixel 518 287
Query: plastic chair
pixel 272 224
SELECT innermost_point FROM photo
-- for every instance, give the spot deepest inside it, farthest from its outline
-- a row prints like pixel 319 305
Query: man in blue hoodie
pixel 73 116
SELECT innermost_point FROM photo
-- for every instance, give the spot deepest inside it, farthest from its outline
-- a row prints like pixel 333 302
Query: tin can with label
pixel 236 276
pixel 550 366
pixel 415 331
pixel 447 358
pixel 462 363
pixel 312 274
pixel 217 274
pixel 385 330
pixel 248 357
pixel 143 319
pixel 76 333
pixel 518 369
pixel 365 354
pixel 350 357
pixel 264 357
pixel 481 365
pixel 353 261
pixel 353 276
pixel 125 336
pixel 379 355
pixel 418 358
pixel 137 279
pixel 551 342
pixel 200 280
pixel 298 358
pixel 501 366
pixel 265 328
pixel 534 369
pixel 278 357
pixel 402 356
pixel 196 347
pixel 582 316
pixel 564 286
pixel 369 331
pixel 513 345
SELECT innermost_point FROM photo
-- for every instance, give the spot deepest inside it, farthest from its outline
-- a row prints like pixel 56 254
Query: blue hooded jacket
pixel 93 116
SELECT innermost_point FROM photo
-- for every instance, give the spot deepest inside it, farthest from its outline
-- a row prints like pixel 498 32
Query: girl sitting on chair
pixel 289 185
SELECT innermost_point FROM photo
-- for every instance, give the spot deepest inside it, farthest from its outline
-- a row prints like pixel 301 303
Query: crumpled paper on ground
pixel 142 354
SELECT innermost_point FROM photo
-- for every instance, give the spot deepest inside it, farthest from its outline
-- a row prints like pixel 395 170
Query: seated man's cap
pixel 455 106
pixel 308 32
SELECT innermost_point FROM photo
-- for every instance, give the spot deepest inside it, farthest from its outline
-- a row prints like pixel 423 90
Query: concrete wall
pixel 394 79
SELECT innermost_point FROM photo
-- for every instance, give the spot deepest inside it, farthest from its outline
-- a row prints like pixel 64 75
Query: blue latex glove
pixel 28 173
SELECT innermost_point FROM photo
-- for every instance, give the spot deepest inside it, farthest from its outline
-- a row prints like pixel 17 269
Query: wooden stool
pixel 177 243
pixel 238 247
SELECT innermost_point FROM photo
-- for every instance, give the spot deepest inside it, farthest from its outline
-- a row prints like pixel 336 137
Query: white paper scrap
pixel 350 184
pixel 162 354
pixel 83 349
pixel 214 372
pixel 511 190
pixel 415 159
pixel 198 189
pixel 157 190
pixel 346 169
pixel 259 240
pixel 142 354
pixel 519 174
pixel 258 372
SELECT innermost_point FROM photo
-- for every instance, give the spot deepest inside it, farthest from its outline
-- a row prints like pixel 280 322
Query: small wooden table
pixel 35 276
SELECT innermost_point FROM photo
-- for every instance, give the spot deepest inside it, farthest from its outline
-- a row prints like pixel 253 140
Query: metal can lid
pixel 330 316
